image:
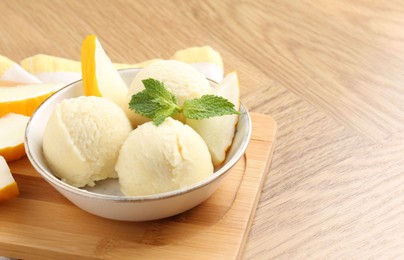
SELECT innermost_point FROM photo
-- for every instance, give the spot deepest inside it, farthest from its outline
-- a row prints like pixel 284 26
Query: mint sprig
pixel 158 103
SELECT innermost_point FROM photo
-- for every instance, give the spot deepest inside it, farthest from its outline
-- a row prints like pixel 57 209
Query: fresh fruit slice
pixel 9 70
pixel 100 78
pixel 41 63
pixel 218 132
pixel 199 54
pixel 12 131
pixel 8 186
pixel 23 99
pixel 205 59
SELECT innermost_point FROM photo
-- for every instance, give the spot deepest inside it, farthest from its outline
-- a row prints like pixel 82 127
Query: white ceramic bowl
pixel 105 199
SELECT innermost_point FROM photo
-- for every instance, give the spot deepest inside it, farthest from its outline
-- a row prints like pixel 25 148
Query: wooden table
pixel 331 73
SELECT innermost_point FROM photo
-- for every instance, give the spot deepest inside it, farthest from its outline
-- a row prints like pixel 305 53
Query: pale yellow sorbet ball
pixel 181 79
pixel 82 139
pixel 157 159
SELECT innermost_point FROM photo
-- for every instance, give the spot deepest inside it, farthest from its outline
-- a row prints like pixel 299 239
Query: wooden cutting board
pixel 41 224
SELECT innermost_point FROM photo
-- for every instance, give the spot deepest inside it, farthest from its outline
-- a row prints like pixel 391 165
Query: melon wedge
pixel 198 55
pixel 12 131
pixel 23 99
pixel 100 78
pixel 218 132
pixel 8 186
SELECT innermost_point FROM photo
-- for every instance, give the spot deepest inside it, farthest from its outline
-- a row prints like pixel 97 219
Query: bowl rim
pixel 52 179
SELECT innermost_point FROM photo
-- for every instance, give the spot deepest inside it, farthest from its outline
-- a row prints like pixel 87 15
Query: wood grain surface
pixel 331 73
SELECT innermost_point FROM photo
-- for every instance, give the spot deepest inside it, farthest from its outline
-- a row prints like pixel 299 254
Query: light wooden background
pixel 330 72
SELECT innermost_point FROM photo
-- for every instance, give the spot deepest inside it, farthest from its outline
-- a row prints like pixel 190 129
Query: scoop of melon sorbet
pixel 82 139
pixel 156 159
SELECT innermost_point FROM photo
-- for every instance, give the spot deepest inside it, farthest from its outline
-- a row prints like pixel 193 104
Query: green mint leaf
pixel 154 102
pixel 157 103
pixel 208 106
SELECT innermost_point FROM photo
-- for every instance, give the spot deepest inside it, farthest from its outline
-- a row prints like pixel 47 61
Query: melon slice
pixel 100 78
pixel 218 132
pixel 8 186
pixel 23 98
pixel 12 131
